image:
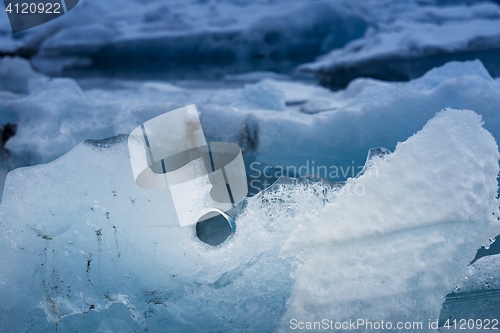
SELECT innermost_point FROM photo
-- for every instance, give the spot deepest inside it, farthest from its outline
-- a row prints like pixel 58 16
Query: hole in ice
pixel 213 228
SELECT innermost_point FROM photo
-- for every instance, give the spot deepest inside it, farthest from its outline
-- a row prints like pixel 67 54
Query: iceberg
pixel 179 39
pixel 391 252
pixel 99 253
pixel 214 39
pixel 413 44
pixel 85 249
pixel 278 124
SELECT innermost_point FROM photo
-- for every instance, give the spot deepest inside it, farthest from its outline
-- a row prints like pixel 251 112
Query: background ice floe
pixel 111 258
pixel 414 43
pixel 208 38
pixel 179 38
pixel 278 123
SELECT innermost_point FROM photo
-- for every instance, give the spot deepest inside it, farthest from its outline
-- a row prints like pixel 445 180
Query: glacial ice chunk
pixel 393 246
pixel 84 247
pixel 414 43
pixel 182 37
pixel 331 129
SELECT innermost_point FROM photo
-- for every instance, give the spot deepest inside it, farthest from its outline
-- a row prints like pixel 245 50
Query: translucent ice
pixel 478 294
pixel 401 239
pixel 83 248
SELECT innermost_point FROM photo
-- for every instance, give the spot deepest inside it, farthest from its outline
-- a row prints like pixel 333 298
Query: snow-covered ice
pixel 360 252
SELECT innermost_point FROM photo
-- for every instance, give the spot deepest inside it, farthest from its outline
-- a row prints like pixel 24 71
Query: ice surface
pixel 385 251
pixel 367 114
pixel 277 123
pixel 478 294
pixel 483 275
pixel 179 38
pixel 299 93
pixel 415 43
pixel 99 253
pixel 253 77
pixel 209 38
pixel 85 249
